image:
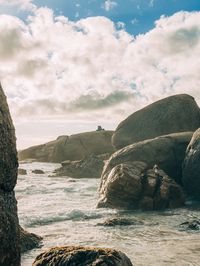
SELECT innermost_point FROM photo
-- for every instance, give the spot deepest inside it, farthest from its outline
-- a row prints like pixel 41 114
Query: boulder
pixel 132 185
pixel 28 240
pixel 38 172
pixel 168 152
pixel 74 147
pixel 9 224
pixel 84 256
pixel 191 167
pixel 178 113
pixel 89 167
pixel 193 225
pixel 22 171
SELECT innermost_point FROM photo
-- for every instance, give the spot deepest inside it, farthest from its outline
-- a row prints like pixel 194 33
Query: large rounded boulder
pixel 168 152
pixel 74 147
pixel 84 256
pixel 191 166
pixel 173 114
pixel 132 185
pixel 9 225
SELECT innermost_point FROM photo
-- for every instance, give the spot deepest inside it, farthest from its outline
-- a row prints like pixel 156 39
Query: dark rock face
pixel 191 225
pixel 75 147
pixel 68 256
pixel 9 225
pixel 132 185
pixel 89 167
pixel 28 240
pixel 191 166
pixel 168 152
pixel 178 113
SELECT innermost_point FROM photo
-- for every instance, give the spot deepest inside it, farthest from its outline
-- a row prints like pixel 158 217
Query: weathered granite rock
pixel 89 167
pixel 9 225
pixel 22 171
pixel 178 113
pixel 132 185
pixel 74 147
pixel 191 166
pixel 82 256
pixel 168 152
pixel 28 240
pixel 38 172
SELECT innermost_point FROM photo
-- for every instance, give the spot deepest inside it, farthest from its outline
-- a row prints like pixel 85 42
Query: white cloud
pixel 109 5
pixel 21 4
pixel 52 67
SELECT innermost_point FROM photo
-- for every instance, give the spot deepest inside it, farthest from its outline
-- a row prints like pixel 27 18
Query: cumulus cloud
pixel 54 67
pixel 21 4
pixel 108 5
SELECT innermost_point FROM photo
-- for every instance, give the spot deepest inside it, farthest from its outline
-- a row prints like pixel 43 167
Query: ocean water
pixel 63 211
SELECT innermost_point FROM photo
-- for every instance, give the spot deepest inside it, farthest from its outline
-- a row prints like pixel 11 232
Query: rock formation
pixel 9 226
pixel 167 152
pixel 63 256
pixel 132 185
pixel 75 147
pixel 28 240
pixel 191 166
pixel 89 167
pixel 174 114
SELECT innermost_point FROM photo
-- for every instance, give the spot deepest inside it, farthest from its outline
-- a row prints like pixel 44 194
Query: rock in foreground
pixel 191 167
pixel 28 240
pixel 9 224
pixel 82 256
pixel 74 147
pixel 178 113
pixel 132 185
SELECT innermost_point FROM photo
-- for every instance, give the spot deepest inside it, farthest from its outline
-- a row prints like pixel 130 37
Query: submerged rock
pixel 9 224
pixel 191 166
pixel 118 221
pixel 74 147
pixel 83 256
pixel 89 167
pixel 132 185
pixel 38 172
pixel 178 113
pixel 191 225
pixel 22 171
pixel 28 240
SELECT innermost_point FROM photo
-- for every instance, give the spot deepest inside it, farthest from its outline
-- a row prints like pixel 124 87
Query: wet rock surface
pixel 38 172
pixel 132 185
pixel 28 240
pixel 119 221
pixel 82 256
pixel 9 225
pixel 191 167
pixel 191 225
pixel 178 113
pixel 22 171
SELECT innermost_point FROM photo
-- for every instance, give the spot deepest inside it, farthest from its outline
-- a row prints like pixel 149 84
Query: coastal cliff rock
pixel 178 113
pixel 74 147
pixel 132 185
pixel 84 256
pixel 28 240
pixel 168 152
pixel 89 167
pixel 9 225
pixel 191 166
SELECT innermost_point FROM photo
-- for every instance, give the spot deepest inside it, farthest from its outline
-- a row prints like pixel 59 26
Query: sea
pixel 63 211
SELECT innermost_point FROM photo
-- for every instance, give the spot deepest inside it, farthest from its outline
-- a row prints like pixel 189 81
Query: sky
pixel 67 66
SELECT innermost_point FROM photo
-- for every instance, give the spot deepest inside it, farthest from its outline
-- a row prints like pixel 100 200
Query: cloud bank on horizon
pixel 52 66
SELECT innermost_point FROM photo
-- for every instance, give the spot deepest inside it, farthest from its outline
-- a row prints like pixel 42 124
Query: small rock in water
pixel 22 171
pixel 38 172
pixel 84 256
pixel 191 225
pixel 28 240
pixel 120 221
